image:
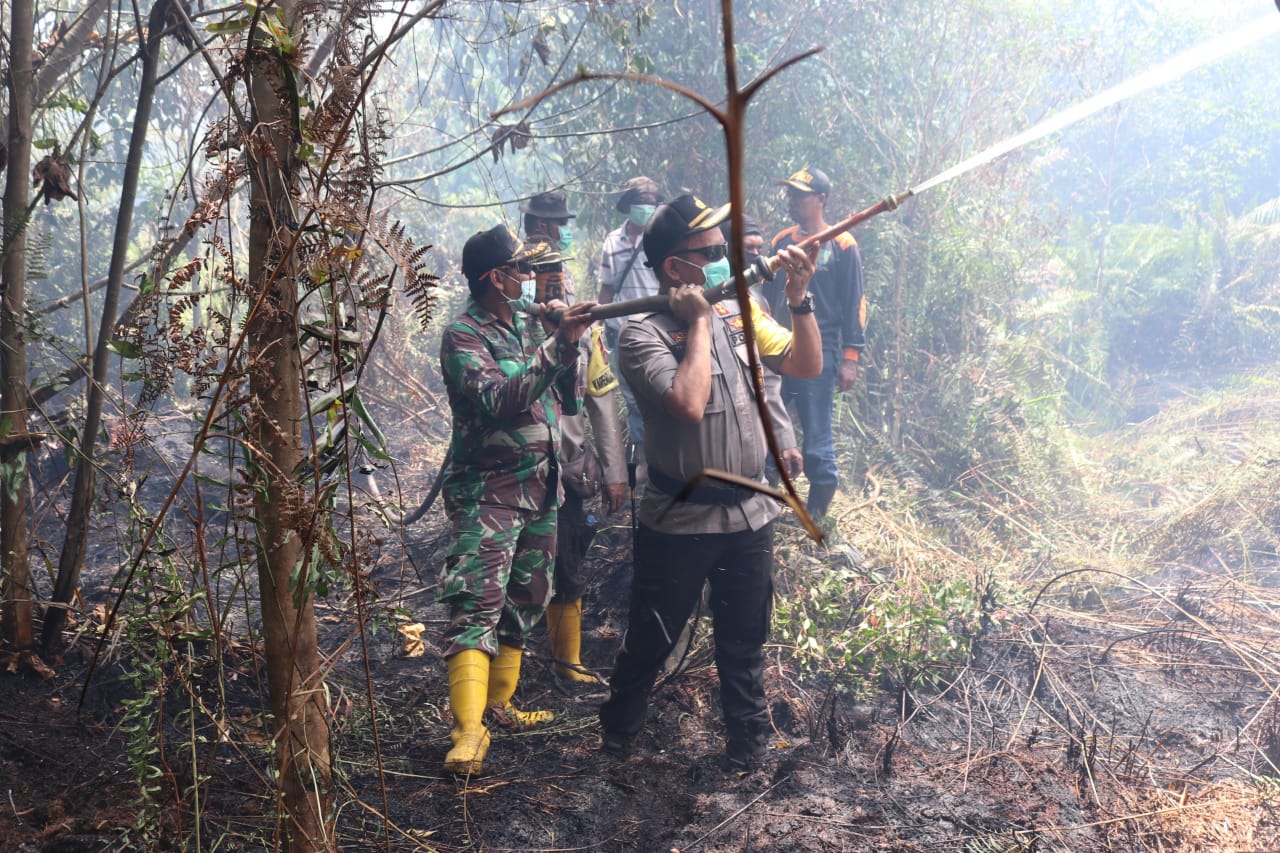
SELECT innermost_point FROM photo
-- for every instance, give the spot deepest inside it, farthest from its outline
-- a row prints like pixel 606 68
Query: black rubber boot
pixel 820 495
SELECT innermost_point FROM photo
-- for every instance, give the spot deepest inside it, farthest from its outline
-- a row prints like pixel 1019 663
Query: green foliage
pixel 13 470
pixel 883 636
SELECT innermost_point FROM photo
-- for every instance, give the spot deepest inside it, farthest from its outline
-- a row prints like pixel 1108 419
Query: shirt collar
pixel 484 317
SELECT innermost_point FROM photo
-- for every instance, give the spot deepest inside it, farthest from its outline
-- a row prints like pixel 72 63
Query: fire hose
pixel 761 269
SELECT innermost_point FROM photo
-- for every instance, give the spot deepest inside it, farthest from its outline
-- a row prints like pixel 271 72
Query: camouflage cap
pixel 487 250
pixel 638 186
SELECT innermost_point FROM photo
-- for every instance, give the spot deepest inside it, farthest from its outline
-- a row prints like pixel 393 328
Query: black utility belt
pixel 710 492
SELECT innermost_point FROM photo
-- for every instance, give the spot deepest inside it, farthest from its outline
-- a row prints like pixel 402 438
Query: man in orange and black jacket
pixel 840 308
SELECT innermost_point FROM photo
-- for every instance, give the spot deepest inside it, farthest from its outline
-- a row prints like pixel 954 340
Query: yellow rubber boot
pixel 468 690
pixel 504 674
pixel 564 631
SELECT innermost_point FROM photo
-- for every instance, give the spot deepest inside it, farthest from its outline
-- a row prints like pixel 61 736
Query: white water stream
pixel 1165 72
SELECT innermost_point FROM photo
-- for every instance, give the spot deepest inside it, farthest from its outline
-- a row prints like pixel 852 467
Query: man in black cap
pixel 508 380
pixel 689 370
pixel 841 311
pixel 752 239
pixel 590 464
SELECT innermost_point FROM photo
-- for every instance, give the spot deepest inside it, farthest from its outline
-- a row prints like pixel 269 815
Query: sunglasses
pixel 709 253
pixel 518 266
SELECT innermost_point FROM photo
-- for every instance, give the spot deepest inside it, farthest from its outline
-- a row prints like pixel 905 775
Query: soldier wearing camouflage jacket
pixel 508 381
pixel 507 387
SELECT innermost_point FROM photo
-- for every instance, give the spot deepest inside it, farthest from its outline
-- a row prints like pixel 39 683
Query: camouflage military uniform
pixel 507 388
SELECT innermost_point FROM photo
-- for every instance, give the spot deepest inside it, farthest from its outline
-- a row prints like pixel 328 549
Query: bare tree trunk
pixel 73 546
pixel 71 46
pixel 16 613
pixel 286 570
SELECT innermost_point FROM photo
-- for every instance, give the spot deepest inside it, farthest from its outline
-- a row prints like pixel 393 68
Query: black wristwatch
pixel 805 306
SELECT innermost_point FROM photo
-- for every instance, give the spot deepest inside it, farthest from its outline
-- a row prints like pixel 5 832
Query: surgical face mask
pixel 717 273
pixel 565 243
pixel 641 214
pixel 713 274
pixel 528 293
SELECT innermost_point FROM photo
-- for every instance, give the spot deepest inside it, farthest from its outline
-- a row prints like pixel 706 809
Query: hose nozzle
pixel 893 202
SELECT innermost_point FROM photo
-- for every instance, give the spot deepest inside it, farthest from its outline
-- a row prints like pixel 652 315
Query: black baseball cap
pixel 547 206
pixel 749 227
pixel 485 251
pixel 638 186
pixel 808 181
pixel 675 221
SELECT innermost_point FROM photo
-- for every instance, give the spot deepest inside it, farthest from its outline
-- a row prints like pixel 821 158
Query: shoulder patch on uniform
pixel 782 235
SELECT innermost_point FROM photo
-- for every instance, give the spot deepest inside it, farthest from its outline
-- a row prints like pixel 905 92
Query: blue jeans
pixel 814 401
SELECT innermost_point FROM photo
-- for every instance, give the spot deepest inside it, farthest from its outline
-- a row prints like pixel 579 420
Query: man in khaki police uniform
pixel 688 369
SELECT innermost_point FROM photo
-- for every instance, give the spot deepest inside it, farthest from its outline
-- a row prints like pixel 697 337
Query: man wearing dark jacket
pixel 841 311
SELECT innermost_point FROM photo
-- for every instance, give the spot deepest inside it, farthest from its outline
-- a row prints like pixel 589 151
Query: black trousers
pixel 573 540
pixel 670 570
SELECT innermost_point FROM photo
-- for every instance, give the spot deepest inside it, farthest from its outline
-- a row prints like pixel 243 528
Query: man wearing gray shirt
pixel 624 275
pixel 689 371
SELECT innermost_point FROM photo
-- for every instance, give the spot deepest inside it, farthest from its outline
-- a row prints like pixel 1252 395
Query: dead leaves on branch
pixel 518 136
pixel 53 176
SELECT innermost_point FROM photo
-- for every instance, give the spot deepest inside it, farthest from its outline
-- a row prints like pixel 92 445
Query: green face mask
pixel 717 273
pixel 528 293
pixel 565 243
pixel 714 273
pixel 641 214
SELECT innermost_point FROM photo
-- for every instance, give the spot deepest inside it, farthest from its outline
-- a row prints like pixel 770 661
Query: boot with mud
pixel 468 690
pixel 564 634
pixel 504 674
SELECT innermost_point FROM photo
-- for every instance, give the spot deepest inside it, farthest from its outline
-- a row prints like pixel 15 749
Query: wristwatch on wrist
pixel 805 306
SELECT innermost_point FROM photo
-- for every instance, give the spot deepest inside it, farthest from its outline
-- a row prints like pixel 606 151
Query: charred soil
pixel 1106 705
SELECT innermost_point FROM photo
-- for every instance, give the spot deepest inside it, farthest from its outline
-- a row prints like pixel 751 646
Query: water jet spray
pixel 763 269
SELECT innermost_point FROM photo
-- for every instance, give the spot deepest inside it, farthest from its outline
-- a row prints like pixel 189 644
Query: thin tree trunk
pixel 71 46
pixel 285 567
pixel 16 612
pixel 73 546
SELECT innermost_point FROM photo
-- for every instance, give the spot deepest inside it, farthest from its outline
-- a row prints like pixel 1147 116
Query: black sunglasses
pixel 710 253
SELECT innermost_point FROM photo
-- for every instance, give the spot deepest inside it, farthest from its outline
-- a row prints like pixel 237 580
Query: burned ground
pixel 1108 705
